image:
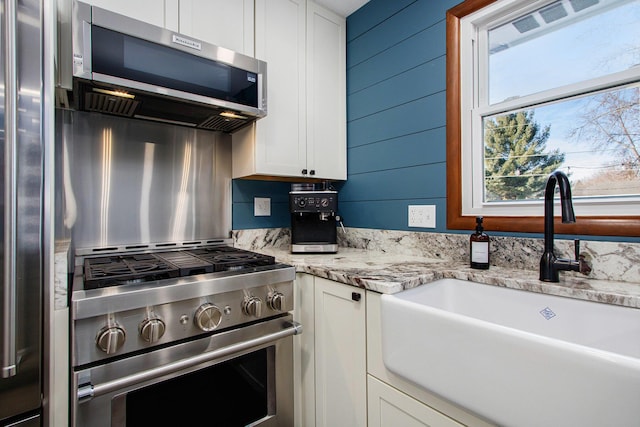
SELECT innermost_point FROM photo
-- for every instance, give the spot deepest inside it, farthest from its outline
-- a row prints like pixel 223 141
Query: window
pixel 538 86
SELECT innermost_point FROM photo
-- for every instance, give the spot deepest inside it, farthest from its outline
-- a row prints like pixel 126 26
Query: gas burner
pixel 226 258
pixel 118 269
pixel 188 264
pixel 240 257
pixel 122 269
pixel 127 269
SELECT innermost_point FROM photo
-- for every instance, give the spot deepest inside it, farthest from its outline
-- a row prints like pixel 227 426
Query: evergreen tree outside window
pixel 517 163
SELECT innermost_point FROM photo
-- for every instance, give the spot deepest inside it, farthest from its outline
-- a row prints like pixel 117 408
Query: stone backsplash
pixel 617 261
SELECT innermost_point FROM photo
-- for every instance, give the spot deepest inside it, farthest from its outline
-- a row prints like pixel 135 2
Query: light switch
pixel 261 206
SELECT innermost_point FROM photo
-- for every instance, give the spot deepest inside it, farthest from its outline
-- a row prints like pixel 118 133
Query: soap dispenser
pixel 479 247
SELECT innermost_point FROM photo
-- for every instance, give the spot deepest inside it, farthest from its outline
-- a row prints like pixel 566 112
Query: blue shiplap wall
pixel 396 110
pixel 395 121
pixel 396 113
pixel 243 192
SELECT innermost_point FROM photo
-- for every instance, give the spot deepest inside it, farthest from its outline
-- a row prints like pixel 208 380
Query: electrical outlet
pixel 423 216
pixel 261 206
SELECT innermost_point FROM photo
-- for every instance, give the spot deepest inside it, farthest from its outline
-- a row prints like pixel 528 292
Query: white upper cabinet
pixel 326 93
pixel 151 11
pixel 221 22
pixel 276 144
pixel 303 135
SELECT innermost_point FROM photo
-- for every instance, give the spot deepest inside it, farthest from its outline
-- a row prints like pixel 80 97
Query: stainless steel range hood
pixel 129 68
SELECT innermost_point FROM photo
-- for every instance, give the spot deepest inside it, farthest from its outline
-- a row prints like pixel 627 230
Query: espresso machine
pixel 313 210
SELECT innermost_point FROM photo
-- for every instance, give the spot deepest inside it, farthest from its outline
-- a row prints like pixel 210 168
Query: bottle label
pixel 480 252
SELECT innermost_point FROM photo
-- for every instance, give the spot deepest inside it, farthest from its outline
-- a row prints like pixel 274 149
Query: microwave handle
pixel 89 391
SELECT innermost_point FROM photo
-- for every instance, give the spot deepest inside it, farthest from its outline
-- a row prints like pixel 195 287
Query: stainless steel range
pixel 189 330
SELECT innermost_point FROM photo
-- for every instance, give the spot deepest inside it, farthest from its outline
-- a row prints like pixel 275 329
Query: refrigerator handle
pixel 8 334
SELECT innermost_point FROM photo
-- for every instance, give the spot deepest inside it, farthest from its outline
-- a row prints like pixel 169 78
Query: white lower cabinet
pixel 389 407
pixel 330 354
pixel 341 359
pixel 340 377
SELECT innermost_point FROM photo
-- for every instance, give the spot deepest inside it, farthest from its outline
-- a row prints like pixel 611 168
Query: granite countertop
pixel 61 258
pixel 388 273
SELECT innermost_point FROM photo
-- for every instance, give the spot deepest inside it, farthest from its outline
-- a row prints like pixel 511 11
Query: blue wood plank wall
pixel 396 113
pixel 395 121
pixel 243 193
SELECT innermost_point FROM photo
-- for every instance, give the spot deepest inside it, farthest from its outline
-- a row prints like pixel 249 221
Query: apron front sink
pixel 515 357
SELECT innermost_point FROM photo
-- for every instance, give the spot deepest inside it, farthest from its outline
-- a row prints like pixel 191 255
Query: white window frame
pixel 474 105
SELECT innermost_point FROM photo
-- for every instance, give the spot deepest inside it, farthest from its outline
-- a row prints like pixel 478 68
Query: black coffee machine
pixel 313 210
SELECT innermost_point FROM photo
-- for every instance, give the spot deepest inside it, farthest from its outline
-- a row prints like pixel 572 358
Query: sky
pixel 592 47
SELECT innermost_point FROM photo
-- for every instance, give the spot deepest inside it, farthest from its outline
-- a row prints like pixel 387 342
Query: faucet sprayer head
pixel 568 215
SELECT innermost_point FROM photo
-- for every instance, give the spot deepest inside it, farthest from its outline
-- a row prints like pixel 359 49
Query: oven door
pixel 241 377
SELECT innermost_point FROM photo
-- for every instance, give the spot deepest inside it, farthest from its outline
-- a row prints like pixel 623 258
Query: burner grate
pixel 118 269
pixel 226 258
pixel 187 263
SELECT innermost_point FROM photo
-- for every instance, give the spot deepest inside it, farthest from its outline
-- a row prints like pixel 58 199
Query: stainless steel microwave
pixel 130 68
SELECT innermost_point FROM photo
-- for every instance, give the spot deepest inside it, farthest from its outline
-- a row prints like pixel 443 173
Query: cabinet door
pixel 221 22
pixel 150 11
pixel 389 407
pixel 280 140
pixel 340 353
pixel 326 93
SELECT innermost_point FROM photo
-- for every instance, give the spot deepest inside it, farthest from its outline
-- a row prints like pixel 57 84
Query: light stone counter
pixel 61 272
pixel 396 268
pixel 385 273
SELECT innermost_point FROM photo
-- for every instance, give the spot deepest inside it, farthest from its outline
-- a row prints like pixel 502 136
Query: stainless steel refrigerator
pixel 21 209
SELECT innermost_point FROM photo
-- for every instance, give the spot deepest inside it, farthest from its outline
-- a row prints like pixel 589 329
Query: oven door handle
pixel 89 390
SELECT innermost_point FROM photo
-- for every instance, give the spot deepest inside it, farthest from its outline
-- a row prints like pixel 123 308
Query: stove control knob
pixel 276 301
pixel 152 329
pixel 207 317
pixel 111 338
pixel 252 306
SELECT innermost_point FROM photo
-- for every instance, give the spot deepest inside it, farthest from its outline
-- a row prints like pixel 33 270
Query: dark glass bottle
pixel 479 247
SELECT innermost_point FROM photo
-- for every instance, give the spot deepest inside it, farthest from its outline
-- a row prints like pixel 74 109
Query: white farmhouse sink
pixel 517 358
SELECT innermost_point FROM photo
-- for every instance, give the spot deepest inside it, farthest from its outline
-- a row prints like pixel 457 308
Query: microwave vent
pixel 109 104
pixel 138 104
pixel 223 124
